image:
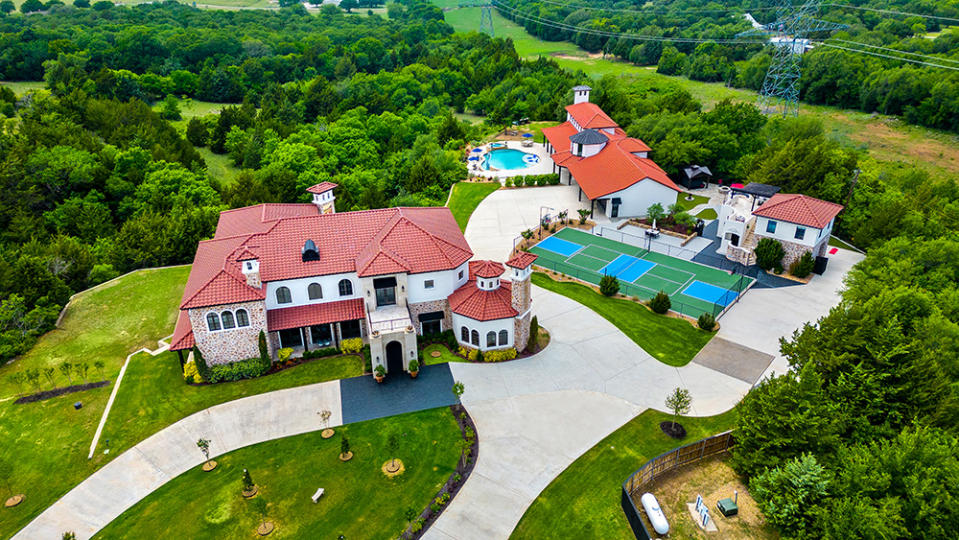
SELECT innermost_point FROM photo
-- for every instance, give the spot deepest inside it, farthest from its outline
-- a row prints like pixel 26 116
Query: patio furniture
pixel 317 495
pixel 652 233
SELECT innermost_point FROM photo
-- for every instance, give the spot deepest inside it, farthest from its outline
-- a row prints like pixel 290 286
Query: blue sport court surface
pixel 558 245
pixel 627 268
pixel 710 293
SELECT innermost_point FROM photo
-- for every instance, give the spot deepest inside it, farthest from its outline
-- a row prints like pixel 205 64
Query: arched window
pixel 474 338
pixel 465 334
pixel 315 291
pixel 283 296
pixel 346 287
pixel 491 339
pixel 227 319
pixel 212 321
pixel 503 337
pixel 242 318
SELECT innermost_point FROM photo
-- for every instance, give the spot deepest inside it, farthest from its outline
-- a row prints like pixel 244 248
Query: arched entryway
pixel 394 357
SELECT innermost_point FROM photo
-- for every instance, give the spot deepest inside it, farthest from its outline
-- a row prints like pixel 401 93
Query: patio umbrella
pixel 474 158
pixel 527 135
pixel 477 149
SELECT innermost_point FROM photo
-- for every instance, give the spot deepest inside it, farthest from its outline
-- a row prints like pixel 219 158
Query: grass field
pixel 886 138
pixel 22 87
pixel 220 166
pixel 671 341
pixel 693 288
pixel 583 501
pixel 444 357
pixel 47 442
pixel 690 204
pixel 359 502
pixel 466 197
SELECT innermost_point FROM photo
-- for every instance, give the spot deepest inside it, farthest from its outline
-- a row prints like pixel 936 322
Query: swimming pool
pixel 509 159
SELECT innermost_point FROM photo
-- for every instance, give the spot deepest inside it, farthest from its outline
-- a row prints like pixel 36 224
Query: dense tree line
pixel 921 94
pixel 98 183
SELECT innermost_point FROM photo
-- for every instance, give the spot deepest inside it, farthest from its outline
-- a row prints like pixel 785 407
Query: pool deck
pixel 545 165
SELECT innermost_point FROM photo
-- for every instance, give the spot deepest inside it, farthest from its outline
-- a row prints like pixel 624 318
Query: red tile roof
pixel 522 260
pixel 310 314
pixel 589 115
pixel 369 242
pixel 799 209
pixel 486 269
pixel 614 168
pixel 183 333
pixel 479 305
pixel 259 218
pixel 559 136
pixel 322 187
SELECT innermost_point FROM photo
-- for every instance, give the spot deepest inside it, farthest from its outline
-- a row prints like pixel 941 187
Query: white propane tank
pixel 655 513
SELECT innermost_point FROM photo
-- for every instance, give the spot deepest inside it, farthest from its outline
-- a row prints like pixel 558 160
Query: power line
pixel 608 34
pixel 929 56
pixel 870 53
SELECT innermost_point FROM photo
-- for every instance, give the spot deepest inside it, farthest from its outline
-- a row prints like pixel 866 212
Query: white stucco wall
pixel 640 196
pixel 592 149
pixel 483 327
pixel 444 283
pixel 300 295
pixel 786 232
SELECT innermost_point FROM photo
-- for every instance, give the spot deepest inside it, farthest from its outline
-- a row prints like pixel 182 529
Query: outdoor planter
pixel 379 373
pixel 265 528
pixel 209 466
pixel 346 457
pixel 250 494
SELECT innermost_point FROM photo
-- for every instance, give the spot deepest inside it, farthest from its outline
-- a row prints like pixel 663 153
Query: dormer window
pixel 309 252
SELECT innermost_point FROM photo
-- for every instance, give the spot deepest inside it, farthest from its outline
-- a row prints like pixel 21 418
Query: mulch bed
pixel 674 430
pixel 277 367
pixel 56 392
pixel 668 224
pixel 452 486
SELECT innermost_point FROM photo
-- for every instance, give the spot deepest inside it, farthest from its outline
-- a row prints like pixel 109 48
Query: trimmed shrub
pixel 553 179
pixel 533 334
pixel 469 353
pixel 414 365
pixel 352 345
pixel 190 373
pixel 660 303
pixel 284 354
pixel 320 353
pixel 608 285
pixel 235 371
pixel 769 254
pixel 500 355
pixel 706 321
pixel 803 266
pixel 264 351
pixel 479 355
pixel 201 366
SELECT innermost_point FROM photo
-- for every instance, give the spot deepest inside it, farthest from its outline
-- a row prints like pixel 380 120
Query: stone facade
pixel 521 331
pixel 520 295
pixel 231 345
pixel 794 251
pixel 428 307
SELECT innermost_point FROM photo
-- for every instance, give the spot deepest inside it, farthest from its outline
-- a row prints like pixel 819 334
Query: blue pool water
pixel 509 159
pixel 710 293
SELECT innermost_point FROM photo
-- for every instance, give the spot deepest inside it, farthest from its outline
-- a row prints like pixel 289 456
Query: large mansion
pixel 613 170
pixel 309 277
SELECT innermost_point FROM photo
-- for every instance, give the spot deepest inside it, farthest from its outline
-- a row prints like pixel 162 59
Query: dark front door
pixel 394 357
pixel 734 239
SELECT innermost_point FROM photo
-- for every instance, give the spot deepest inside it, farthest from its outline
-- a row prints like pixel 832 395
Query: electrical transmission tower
pixel 790 36
pixel 486 16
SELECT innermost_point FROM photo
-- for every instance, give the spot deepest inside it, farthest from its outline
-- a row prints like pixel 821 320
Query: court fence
pixel 663 464
pixel 679 252
pixel 633 290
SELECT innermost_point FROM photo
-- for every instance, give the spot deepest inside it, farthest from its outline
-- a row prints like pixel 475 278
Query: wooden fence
pixel 663 464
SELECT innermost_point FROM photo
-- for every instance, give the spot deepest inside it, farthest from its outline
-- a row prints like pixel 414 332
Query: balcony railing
pixel 389 319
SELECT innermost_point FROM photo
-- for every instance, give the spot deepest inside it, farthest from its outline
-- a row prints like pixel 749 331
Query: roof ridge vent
pixel 310 252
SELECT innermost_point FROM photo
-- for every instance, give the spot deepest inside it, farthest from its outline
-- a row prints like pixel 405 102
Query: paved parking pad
pixel 734 360
pixel 363 398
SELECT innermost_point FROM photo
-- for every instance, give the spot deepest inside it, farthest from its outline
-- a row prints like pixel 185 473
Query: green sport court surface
pixel 693 288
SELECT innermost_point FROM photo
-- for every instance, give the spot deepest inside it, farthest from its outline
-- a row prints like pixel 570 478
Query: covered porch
pixel 316 326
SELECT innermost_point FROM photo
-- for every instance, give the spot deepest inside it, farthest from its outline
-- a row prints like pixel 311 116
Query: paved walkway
pixel 535 416
pixel 139 471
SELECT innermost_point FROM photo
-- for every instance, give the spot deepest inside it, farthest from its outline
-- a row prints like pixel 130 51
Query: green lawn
pixel 445 355
pixel 359 502
pixel 583 501
pixel 22 87
pixel 707 214
pixel 689 205
pixel 835 241
pixel 153 394
pixel 672 341
pixel 466 197
pixel 219 166
pixel 47 442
